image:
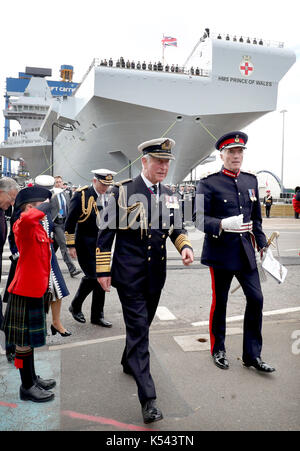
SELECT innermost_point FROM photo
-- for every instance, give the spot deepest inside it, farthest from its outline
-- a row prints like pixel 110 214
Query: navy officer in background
pixel 141 215
pixel 229 213
pixel 81 230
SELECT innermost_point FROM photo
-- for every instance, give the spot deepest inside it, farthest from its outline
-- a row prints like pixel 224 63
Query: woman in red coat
pixel 25 319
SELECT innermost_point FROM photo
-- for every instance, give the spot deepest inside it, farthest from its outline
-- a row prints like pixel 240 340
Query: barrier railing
pixel 247 40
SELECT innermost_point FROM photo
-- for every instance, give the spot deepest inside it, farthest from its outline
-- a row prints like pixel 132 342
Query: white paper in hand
pixel 273 267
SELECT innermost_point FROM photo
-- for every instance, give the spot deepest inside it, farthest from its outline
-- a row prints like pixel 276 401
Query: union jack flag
pixel 168 40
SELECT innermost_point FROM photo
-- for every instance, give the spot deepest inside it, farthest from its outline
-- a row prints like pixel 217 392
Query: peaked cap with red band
pixel 232 139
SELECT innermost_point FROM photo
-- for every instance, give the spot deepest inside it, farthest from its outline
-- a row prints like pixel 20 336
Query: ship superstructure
pixel 27 101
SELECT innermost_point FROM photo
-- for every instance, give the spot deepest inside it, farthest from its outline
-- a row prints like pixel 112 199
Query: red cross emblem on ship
pixel 246 66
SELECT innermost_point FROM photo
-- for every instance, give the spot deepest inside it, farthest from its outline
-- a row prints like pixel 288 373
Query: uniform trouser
pixel 250 283
pixel 268 209
pixel 87 285
pixel 60 242
pixel 1 313
pixel 138 313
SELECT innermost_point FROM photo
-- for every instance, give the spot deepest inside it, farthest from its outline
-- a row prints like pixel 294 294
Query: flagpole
pixel 163 51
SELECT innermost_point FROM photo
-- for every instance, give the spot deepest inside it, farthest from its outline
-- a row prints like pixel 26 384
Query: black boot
pixel 10 353
pixel 35 394
pixel 23 361
pixel 29 390
pixel 101 321
pixel 151 412
pixel 46 384
pixel 98 299
pixel 83 291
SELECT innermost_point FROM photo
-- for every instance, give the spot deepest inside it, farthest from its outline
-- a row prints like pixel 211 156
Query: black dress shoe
pixel 35 394
pixel 10 356
pixel 75 272
pixel 46 384
pixel 63 334
pixel 77 316
pixel 101 322
pixel 151 412
pixel 220 360
pixel 127 370
pixel 260 365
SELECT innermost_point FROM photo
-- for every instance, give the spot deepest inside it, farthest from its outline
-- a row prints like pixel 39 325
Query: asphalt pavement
pixel 93 394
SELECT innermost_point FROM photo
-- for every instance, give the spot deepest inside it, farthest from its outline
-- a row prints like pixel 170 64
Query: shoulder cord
pixel 87 211
pixel 139 209
pixel 138 206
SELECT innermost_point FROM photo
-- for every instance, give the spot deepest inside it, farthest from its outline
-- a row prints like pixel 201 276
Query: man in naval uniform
pixel 141 215
pixel 230 215
pixel 81 230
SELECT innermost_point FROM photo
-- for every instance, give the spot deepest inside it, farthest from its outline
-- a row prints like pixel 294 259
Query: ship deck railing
pixel 246 40
pixel 132 65
pixel 152 67
pixel 15 141
pixel 156 67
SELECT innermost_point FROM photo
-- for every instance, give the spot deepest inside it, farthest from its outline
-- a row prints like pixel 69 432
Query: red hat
pixel 232 139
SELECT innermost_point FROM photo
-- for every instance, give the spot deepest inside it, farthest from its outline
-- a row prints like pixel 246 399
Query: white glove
pixel 232 223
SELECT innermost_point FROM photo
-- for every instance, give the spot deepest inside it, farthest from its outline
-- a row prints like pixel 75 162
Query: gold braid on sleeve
pixel 102 261
pixel 70 239
pixel 182 240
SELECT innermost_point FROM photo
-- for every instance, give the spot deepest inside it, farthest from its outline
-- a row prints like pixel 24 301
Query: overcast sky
pixel 49 34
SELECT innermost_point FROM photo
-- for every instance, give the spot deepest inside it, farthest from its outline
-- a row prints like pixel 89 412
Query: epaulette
pixel 208 174
pixel 122 182
pixel 249 172
pixel 82 188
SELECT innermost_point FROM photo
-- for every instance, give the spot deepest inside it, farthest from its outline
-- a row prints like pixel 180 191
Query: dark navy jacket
pixel 81 229
pixel 225 196
pixel 139 261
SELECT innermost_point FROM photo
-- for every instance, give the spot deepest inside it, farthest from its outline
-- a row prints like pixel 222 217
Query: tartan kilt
pixel 24 321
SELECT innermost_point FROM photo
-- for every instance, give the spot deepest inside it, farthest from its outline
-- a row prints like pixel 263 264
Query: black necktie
pixel 154 189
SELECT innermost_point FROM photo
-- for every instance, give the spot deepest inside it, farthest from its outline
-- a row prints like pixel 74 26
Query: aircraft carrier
pixel 224 85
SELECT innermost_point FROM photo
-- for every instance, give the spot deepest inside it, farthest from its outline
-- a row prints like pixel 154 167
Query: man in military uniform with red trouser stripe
pixel 229 213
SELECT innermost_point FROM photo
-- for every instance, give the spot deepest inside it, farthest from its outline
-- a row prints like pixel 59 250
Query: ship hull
pixel 111 140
